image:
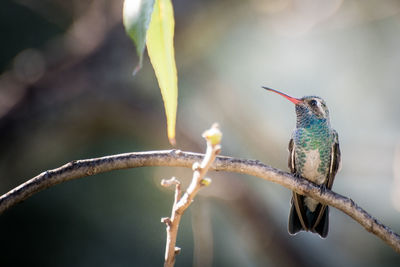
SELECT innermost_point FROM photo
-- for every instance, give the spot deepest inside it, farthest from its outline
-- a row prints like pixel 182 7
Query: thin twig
pixel 213 138
pixel 177 158
pixel 172 223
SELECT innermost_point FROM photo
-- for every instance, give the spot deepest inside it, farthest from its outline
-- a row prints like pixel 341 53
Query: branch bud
pixel 206 181
pixel 196 166
pixel 213 135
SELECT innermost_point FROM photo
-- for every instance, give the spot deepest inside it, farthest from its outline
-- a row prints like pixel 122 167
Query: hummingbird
pixel 314 154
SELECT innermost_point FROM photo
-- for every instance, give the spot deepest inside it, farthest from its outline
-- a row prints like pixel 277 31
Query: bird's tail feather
pixel 294 225
pixel 322 227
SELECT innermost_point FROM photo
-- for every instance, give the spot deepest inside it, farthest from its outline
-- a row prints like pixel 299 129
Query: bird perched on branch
pixel 314 154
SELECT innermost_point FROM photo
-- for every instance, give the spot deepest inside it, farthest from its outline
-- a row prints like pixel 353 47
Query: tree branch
pixel 213 138
pixel 177 158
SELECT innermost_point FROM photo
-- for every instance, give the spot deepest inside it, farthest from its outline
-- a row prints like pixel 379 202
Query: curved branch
pixel 177 158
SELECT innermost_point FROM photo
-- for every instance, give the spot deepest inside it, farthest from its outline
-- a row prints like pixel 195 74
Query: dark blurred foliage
pixel 66 93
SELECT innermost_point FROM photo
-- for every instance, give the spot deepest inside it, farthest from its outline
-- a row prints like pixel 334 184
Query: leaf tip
pixel 138 66
pixel 172 141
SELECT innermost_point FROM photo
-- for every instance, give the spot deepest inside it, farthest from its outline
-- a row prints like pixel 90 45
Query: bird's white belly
pixel 310 168
pixel 310 172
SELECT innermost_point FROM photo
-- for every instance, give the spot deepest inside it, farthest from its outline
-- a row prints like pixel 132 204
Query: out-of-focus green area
pixel 66 93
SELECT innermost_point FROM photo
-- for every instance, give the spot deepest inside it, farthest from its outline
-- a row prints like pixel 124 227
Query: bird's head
pixel 307 106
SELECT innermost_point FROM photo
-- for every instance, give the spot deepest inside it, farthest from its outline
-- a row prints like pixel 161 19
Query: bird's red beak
pixel 291 99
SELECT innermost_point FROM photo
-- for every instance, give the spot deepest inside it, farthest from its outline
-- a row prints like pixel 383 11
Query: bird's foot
pixel 322 189
pixel 297 175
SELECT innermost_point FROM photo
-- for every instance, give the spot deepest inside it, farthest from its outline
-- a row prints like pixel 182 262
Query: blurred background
pixel 66 93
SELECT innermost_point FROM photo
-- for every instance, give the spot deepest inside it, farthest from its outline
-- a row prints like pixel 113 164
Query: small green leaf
pixel 136 18
pixel 160 47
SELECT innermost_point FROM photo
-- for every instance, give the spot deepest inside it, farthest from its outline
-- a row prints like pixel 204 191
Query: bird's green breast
pixel 312 151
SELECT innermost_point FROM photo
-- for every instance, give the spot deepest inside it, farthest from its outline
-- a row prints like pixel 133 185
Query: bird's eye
pixel 313 103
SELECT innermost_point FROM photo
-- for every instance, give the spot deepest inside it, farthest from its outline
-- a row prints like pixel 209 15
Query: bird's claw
pixel 322 189
pixel 297 175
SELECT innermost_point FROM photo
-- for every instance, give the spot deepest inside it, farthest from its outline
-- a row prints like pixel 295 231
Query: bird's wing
pixel 298 200
pixel 291 160
pixel 335 165
pixel 335 160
